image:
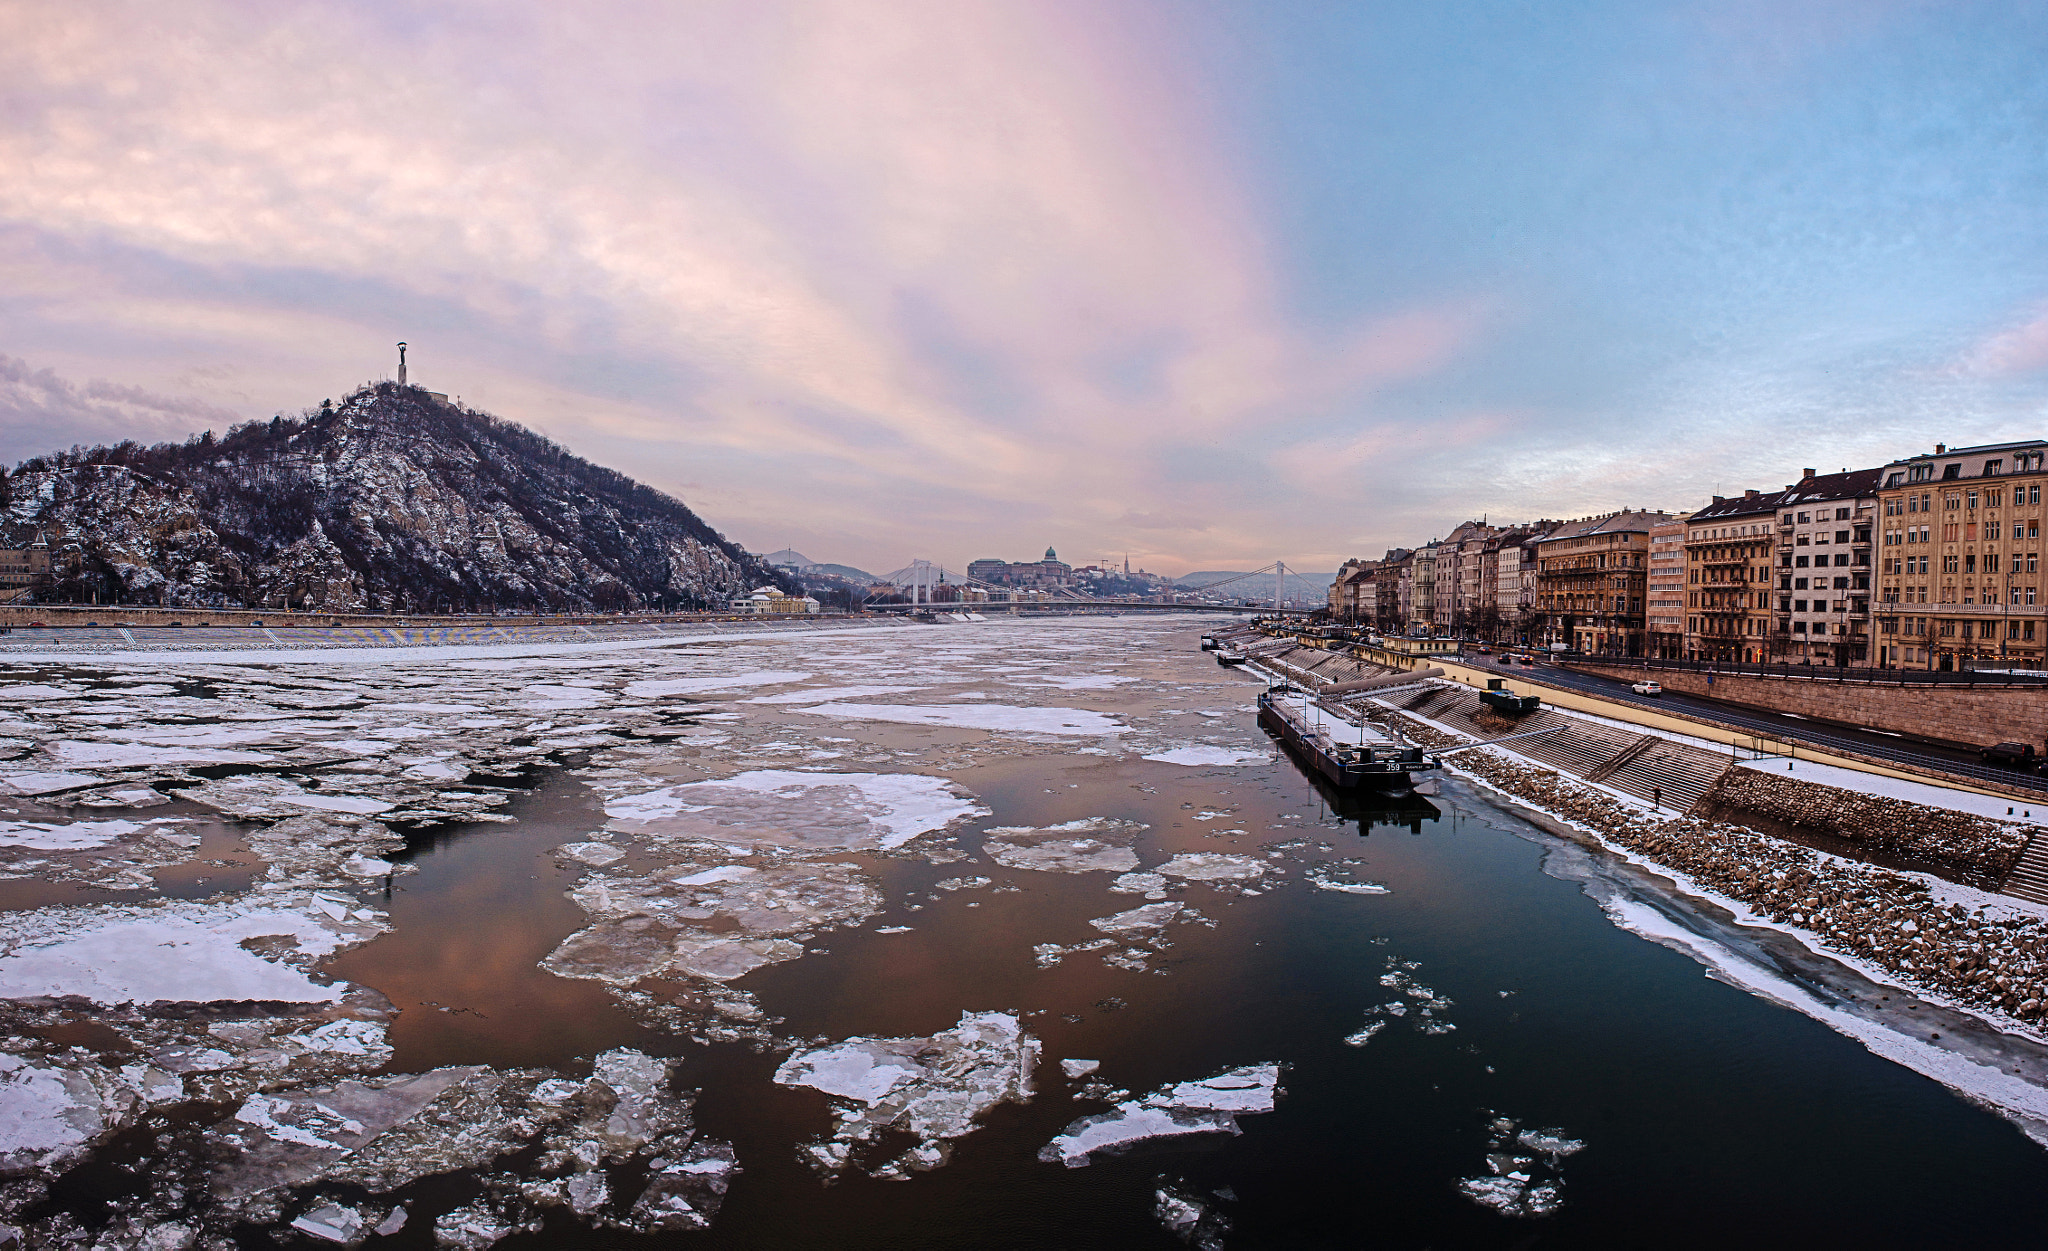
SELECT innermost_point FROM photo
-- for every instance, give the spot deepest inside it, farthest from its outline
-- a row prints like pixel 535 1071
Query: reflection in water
pixel 468 930
pixel 1369 810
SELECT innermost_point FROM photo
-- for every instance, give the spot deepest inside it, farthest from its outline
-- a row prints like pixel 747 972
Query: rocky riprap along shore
pixel 1968 848
pixel 1888 919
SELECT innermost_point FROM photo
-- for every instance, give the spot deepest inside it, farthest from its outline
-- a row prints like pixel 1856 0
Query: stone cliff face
pixel 390 501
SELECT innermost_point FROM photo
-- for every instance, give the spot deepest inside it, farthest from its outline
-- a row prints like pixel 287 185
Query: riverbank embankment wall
pixel 1975 715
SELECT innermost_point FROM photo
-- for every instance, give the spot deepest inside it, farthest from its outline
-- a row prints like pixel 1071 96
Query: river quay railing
pixel 1807 673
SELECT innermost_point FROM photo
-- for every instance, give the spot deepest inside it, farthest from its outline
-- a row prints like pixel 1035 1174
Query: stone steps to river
pixel 1674 775
pixel 2029 877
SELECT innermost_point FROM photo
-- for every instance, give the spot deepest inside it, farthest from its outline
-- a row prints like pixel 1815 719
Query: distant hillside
pixel 391 500
pixel 790 558
pixel 848 572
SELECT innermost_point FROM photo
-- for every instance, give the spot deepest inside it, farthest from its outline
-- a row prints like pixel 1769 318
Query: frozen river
pixel 997 934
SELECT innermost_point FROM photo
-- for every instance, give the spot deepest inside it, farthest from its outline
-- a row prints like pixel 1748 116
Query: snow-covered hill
pixel 390 500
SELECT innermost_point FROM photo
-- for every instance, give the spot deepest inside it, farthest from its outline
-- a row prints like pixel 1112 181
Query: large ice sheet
pixel 980 717
pixel 1087 845
pixel 173 951
pixel 1204 754
pixel 799 808
pixel 934 1088
pixel 824 694
pixel 718 924
pixel 68 836
pixel 1209 1106
pixel 656 688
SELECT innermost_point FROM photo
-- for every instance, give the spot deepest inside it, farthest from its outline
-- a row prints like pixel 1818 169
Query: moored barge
pixel 1377 763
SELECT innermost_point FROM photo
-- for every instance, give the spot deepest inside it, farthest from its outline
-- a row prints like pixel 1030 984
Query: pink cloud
pixel 2019 350
pixel 741 194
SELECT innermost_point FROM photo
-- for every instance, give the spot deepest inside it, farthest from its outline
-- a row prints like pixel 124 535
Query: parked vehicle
pixel 2010 756
pixel 1647 688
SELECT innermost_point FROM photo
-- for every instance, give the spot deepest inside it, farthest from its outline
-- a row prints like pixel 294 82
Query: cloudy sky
pixel 1208 283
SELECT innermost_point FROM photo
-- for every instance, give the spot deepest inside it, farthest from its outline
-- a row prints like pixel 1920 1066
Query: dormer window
pixel 1950 473
pixel 1895 480
pixel 1992 468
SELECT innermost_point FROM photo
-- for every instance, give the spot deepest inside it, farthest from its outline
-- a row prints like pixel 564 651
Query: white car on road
pixel 1647 688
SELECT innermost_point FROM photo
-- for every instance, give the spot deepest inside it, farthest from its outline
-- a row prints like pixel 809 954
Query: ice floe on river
pixel 1087 845
pixel 797 809
pixel 933 1088
pixel 725 847
pixel 1522 1169
pixel 1002 717
pixel 179 952
pixel 1209 755
pixel 1209 1106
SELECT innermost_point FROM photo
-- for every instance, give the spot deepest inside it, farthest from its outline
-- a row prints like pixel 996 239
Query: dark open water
pixel 1710 1117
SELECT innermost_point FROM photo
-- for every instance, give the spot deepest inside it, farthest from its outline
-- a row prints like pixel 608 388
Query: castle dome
pixel 1051 554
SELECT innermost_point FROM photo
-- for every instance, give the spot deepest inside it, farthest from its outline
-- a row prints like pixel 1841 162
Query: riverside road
pixel 1962 761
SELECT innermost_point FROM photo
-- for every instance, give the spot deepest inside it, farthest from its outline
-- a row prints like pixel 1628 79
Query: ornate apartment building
pixel 1728 562
pixel 1460 579
pixel 1959 561
pixel 1421 606
pixel 1592 581
pixel 1822 615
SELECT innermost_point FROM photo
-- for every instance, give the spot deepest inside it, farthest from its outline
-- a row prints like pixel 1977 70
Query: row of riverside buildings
pixel 1930 562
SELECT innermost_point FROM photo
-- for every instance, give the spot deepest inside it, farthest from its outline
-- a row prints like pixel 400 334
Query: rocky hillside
pixel 392 500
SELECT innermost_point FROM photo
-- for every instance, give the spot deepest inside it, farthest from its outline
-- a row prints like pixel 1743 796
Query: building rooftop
pixel 1626 522
pixel 1941 450
pixel 1848 485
